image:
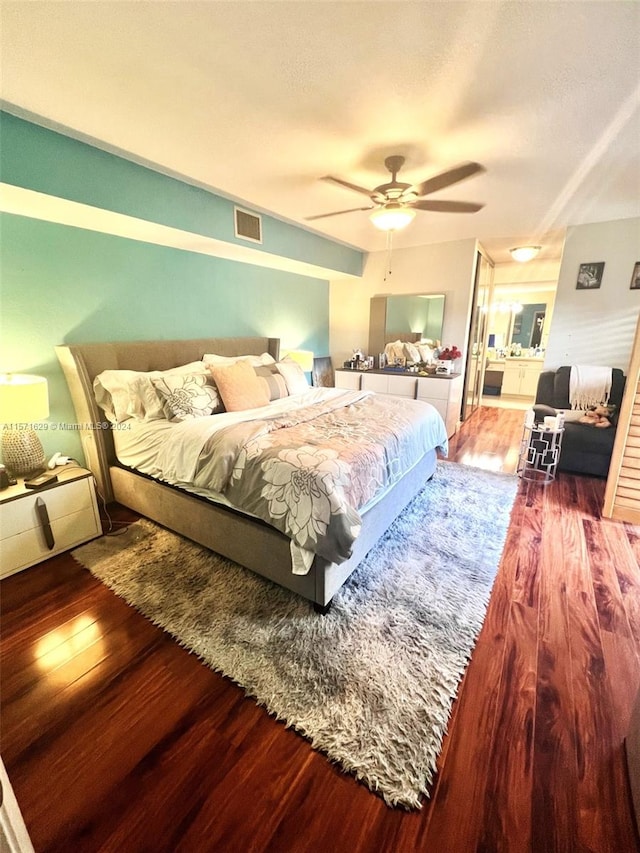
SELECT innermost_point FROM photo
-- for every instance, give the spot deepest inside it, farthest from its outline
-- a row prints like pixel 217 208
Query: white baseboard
pixel 14 837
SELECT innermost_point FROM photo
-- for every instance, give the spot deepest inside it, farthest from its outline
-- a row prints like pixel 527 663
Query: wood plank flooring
pixel 117 739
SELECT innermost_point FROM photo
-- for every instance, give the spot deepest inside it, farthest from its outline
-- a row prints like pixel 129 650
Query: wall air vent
pixel 248 225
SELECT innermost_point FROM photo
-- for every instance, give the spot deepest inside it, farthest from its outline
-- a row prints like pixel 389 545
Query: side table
pixel 539 453
pixel 36 524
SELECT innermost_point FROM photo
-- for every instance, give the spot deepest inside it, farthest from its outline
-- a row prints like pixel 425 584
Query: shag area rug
pixel 370 684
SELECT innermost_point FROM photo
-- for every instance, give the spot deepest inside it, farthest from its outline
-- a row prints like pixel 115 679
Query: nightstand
pixel 36 524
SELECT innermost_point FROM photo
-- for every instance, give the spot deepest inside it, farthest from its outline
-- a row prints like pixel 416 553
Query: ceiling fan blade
pixel 346 184
pixel 451 176
pixel 338 212
pixel 447 206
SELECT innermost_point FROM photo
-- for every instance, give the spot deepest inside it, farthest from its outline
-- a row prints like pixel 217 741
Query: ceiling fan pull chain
pixel 387 271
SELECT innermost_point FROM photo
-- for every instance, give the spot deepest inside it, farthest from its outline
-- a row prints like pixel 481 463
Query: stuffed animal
pixel 598 416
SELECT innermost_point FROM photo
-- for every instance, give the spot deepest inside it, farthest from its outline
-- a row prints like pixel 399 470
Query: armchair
pixel 585 449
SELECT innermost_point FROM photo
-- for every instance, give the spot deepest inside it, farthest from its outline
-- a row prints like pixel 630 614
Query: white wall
pixel 440 268
pixel 533 274
pixel 596 326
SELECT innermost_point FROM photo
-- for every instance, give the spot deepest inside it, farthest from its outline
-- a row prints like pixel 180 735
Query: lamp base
pixel 22 451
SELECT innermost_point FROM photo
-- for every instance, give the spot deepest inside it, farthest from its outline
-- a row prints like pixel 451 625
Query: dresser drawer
pixel 402 386
pixel 375 382
pixel 348 379
pixel 429 389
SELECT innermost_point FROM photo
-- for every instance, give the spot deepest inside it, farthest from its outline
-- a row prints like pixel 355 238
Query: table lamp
pixel 23 400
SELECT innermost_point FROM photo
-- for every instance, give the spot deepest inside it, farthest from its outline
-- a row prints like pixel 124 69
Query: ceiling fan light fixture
pixel 524 253
pixel 392 217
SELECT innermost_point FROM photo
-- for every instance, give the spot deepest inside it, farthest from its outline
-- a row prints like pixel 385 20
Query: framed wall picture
pixel 590 276
pixel 635 277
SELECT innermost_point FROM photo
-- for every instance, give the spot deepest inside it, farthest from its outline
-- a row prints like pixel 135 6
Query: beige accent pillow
pixel 239 386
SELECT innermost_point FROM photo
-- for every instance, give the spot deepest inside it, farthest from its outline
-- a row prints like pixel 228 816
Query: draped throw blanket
pixel 589 385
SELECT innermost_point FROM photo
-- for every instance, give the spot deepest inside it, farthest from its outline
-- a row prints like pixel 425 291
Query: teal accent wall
pixel 61 284
pixel 45 161
pixel 66 285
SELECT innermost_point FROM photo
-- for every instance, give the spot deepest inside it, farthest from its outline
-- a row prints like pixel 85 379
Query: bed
pixel 245 537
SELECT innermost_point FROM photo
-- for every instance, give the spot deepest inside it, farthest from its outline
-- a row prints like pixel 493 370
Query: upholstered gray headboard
pixel 408 337
pixel 81 363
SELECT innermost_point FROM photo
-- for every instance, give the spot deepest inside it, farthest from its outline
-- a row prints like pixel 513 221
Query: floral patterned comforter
pixel 309 470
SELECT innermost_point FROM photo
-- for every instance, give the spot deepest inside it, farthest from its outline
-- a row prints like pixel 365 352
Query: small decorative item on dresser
pixel 446 356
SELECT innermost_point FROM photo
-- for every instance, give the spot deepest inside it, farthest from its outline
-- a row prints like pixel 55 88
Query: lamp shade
pixel 392 217
pixel 23 398
pixel 303 357
pixel 524 253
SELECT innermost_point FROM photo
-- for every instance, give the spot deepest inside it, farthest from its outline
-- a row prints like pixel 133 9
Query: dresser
pixel 36 524
pixel 443 392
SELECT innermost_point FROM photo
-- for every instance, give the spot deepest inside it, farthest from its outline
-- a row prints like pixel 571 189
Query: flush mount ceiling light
pixel 524 253
pixel 392 217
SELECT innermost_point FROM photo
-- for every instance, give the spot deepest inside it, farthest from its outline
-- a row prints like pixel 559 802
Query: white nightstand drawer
pixel 24 549
pixel 20 515
pixel 69 514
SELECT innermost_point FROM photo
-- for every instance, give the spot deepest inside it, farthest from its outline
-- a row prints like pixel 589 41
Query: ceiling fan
pixel 395 203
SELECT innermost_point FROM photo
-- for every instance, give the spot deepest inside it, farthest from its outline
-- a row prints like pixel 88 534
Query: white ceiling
pixel 258 100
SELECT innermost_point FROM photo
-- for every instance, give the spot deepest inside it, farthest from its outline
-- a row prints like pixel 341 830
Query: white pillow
pixel 411 353
pixel 426 353
pixel 293 375
pixel 254 360
pixel 124 394
pixel 394 350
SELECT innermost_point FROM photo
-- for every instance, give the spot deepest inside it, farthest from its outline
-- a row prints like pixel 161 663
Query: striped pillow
pixel 276 386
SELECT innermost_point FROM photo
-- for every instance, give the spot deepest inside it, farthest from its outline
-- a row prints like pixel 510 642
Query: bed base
pixel 246 540
pixel 253 543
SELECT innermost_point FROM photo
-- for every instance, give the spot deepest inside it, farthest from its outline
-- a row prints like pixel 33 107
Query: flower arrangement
pixel 449 353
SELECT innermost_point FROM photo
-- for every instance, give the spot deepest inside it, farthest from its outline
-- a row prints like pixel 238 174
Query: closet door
pixel 622 495
pixel 474 372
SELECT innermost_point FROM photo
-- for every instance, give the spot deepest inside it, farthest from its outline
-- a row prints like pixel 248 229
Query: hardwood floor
pixel 116 739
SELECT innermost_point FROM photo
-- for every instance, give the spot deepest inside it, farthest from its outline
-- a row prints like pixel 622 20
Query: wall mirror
pixel 517 323
pixel 406 317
